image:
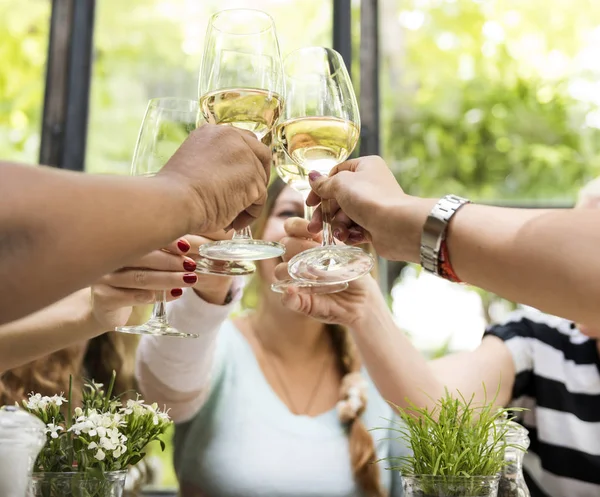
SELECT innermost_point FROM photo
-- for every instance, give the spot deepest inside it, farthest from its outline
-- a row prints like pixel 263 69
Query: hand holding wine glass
pixel 319 128
pixel 241 85
pixel 224 171
pixel 367 204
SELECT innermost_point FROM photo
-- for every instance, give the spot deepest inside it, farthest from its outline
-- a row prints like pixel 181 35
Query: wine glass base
pixel 308 287
pixel 242 250
pixel 330 264
pixel 224 268
pixel 155 327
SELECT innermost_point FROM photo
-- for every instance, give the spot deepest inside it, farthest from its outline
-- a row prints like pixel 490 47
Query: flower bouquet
pixel 89 448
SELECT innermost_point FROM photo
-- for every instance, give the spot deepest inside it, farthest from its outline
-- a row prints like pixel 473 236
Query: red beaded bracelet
pixel 446 270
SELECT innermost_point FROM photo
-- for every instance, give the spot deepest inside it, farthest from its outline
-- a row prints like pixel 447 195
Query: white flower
pixel 92 445
pixel 58 400
pixel 78 412
pixel 100 455
pixel 53 429
pixel 34 401
pixel 107 444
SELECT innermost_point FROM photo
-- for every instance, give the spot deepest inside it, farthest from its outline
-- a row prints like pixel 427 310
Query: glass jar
pixel 22 436
pixel 512 480
pixel 450 486
pixel 109 484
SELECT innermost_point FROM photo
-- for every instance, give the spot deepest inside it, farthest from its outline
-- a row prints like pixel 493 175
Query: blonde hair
pixel 362 446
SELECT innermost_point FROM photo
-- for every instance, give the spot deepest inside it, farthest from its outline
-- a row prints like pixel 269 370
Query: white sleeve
pixel 176 371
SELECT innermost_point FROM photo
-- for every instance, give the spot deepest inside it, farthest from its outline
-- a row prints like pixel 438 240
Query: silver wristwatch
pixel 434 230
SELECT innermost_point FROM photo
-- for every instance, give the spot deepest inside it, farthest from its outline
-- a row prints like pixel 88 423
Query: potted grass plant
pixel 88 449
pixel 457 448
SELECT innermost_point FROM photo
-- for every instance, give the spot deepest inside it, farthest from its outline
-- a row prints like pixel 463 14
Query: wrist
pixel 373 306
pixel 408 217
pixel 185 208
pixel 217 293
pixel 85 318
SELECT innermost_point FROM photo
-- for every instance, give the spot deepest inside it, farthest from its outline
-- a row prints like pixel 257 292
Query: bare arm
pixel 401 372
pixel 55 327
pixel 543 258
pixel 59 231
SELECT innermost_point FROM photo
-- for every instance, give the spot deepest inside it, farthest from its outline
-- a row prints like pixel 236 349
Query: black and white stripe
pixel 558 380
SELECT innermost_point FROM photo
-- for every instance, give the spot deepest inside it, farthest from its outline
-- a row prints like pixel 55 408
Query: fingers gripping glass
pixel 241 84
pixel 166 125
pixel 297 178
pixel 319 128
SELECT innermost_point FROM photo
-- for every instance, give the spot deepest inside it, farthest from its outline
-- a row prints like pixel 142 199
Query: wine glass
pixel 319 128
pixel 166 125
pixel 242 85
pixel 297 178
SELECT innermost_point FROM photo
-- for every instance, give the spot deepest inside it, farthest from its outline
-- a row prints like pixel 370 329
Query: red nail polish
pixel 183 245
pixel 190 278
pixel 313 175
pixel 189 265
pixel 177 292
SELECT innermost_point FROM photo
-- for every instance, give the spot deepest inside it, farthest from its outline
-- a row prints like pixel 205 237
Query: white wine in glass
pixel 319 128
pixel 241 84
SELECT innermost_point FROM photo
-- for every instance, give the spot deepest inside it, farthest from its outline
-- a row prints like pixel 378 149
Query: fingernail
pixel 313 175
pixel 190 278
pixel 177 292
pixel 189 265
pixel 337 233
pixel 183 245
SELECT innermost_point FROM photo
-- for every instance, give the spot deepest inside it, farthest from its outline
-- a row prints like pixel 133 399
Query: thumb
pixel 325 187
pixel 291 300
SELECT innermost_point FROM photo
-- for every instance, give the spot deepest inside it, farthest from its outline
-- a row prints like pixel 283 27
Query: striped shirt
pixel 558 380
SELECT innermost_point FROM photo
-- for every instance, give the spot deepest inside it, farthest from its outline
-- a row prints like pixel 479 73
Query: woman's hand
pixel 345 308
pixel 210 288
pixel 113 296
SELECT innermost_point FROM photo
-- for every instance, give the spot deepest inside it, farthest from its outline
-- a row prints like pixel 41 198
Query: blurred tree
pixel 24 28
pixel 478 101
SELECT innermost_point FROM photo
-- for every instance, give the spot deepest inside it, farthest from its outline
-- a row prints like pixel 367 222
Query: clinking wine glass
pixel 166 125
pixel 241 84
pixel 319 128
pixel 297 178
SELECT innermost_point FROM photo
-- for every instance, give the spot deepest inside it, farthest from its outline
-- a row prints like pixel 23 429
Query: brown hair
pixel 362 447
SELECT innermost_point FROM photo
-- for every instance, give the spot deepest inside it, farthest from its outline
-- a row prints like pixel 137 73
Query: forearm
pixel 60 325
pixel 396 367
pixel 59 231
pixel 178 372
pixel 543 258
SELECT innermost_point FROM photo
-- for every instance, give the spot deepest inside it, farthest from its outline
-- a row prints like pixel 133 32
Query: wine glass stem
pixel 327 232
pixel 159 311
pixel 308 211
pixel 243 234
